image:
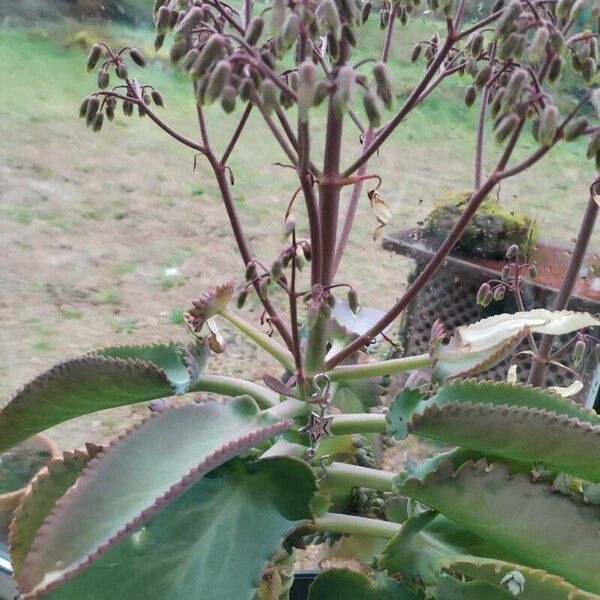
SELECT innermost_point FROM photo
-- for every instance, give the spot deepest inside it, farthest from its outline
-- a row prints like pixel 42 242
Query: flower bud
pixel 333 47
pixel 348 35
pixel 188 60
pixel 163 20
pixel 122 70
pixel 505 127
pixel 92 110
pixel 137 57
pixel 384 86
pixel 328 16
pixel 548 125
pixel 575 128
pixel 512 252
pixel 93 57
pixel 110 111
pixel 190 21
pixel 299 262
pixel 348 11
pixel 537 48
pixel 476 45
pixel 269 95
pixel 499 293
pixel 482 293
pixel 254 30
pixel 159 40
pixel 241 299
pixel 372 108
pixel 532 272
pixel 506 272
pixel 514 87
pixel 247 89
pixel 276 270
pixel 103 79
pixel 415 53
pixel 307 75
pixel 290 30
pixel 98 120
pixel 228 96
pixel 578 353
pixel 555 68
pixel 594 145
pixel 353 300
pixel 508 46
pixel 178 50
pixel 470 95
pixel 384 18
pixel 212 51
pixel 497 102
pixel 217 80
pixel 344 90
pixel 321 92
pixel 366 11
pixel 588 69
pixel 331 300
pixel 483 76
pixel 83 107
pixel 157 98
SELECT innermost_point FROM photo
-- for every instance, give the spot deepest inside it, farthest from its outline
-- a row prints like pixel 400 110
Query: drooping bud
pixel 110 110
pixel 578 353
pixel 557 41
pixel 415 53
pixel 212 51
pixel 241 299
pixel 372 108
pixel 307 75
pixel 353 300
pixel 250 271
pixel 159 40
pixel 228 96
pixel 127 108
pixel 475 45
pixel 276 270
pixel 499 293
pixel 122 70
pixel 532 272
pixel 512 251
pixel 83 107
pixel 505 127
pixel 289 33
pixel 555 68
pixel 247 89
pixel 178 50
pixel 508 47
pixel 157 98
pixel 348 11
pixel 190 21
pixel 321 92
pixel 137 57
pixel 93 106
pixel 217 80
pixel 384 18
pixel 483 76
pixel 482 293
pixel 588 69
pixel 537 49
pixel 328 16
pixel 507 22
pixel 93 57
pixel 269 96
pixel 548 125
pixel 254 30
pixel 344 90
pixel 514 87
pixel 470 95
pixel 366 11
pixel 348 35
pixel 188 60
pixel 384 85
pixel 333 46
pixel 575 128
pixel 98 121
pixel 103 79
pixel 497 102
pixel 306 251
pixel 506 273
pixel 299 262
pixel 163 20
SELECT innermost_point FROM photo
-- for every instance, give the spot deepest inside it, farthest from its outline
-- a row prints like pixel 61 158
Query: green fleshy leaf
pixel 519 516
pixel 96 381
pixel 50 485
pixel 138 475
pixel 477 347
pixel 401 410
pixel 449 588
pixel 344 583
pixel 516 422
pixel 210 543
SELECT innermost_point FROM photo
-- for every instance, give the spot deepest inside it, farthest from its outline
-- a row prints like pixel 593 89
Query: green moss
pixel 489 233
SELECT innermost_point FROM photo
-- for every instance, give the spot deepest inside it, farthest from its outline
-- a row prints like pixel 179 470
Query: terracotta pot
pixel 10 500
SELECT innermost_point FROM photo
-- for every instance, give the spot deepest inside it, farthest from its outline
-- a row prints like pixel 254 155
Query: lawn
pixel 107 237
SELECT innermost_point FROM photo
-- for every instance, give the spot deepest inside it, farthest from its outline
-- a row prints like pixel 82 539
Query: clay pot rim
pixel 55 452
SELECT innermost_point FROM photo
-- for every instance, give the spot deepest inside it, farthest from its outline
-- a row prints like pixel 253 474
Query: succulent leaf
pixel 477 495
pixel 98 380
pixel 138 475
pixel 515 422
pixel 212 542
pixel 47 488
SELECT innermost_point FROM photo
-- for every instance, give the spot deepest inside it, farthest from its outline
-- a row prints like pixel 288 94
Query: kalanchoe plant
pixel 208 500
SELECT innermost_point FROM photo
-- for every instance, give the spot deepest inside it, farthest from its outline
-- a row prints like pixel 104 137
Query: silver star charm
pixel 317 428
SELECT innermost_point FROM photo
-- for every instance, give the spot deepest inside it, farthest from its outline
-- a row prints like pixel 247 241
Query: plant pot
pixel 302 581
pixel 10 500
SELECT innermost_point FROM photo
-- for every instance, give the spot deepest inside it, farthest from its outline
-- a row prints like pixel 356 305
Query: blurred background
pixel 106 238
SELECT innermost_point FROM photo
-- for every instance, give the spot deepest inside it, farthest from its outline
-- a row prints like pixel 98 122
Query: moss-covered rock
pixel 491 231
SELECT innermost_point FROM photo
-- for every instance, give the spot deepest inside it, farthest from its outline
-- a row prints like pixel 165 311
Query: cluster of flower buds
pixel 96 106
pixel 511 279
pixel 583 344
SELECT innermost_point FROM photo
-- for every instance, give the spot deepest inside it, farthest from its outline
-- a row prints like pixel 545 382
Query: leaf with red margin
pixel 136 476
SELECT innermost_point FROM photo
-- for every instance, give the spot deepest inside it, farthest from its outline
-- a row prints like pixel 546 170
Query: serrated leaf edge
pixel 208 464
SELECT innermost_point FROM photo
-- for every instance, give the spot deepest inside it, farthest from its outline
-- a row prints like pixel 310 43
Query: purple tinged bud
pixel 353 300
pixel 137 57
pixel 98 121
pixel 122 70
pixel 93 57
pixel 103 79
pixel 578 353
pixel 483 293
pixel 512 252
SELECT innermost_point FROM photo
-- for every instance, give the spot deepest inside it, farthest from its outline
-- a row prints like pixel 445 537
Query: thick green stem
pixel 337 523
pixel 289 409
pixel 285 448
pixel 279 353
pixel 358 423
pixel 344 475
pixel 230 386
pixel 316 345
pixel 379 369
